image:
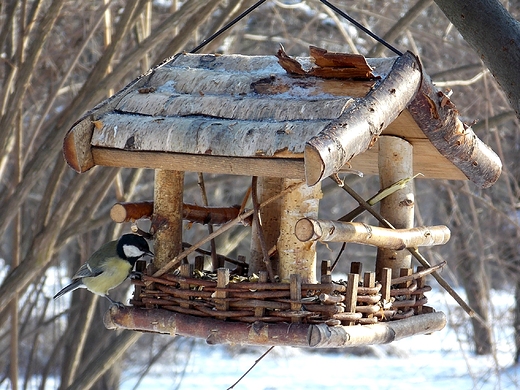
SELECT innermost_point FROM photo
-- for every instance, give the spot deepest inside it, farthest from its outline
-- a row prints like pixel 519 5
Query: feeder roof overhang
pixel 248 115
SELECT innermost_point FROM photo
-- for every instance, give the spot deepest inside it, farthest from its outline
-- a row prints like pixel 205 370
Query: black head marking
pixel 132 247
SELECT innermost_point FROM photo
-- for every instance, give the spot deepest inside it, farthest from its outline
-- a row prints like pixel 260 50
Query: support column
pixel 297 257
pixel 167 215
pixel 270 217
pixel 395 163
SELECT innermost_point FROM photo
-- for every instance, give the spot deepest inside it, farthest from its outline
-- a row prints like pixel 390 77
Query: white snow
pixel 443 360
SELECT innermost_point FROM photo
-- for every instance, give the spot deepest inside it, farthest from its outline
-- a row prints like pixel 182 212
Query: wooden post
pixel 187 272
pixel 167 218
pixel 297 257
pixel 351 296
pixel 326 274
pixel 369 280
pixel 296 295
pixel 260 311
pixel 395 163
pixel 421 283
pixel 222 284
pixel 386 281
pixel 270 218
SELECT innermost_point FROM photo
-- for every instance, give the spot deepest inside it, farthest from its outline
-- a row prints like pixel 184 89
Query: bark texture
pixel 495 35
pixel 358 128
pixel 260 333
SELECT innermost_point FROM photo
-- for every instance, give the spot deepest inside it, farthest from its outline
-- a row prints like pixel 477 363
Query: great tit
pixel 109 266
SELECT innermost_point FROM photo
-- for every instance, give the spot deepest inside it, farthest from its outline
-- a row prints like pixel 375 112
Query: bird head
pixel 132 247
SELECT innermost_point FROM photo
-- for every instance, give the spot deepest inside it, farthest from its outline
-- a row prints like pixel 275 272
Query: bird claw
pixel 136 275
pixel 115 303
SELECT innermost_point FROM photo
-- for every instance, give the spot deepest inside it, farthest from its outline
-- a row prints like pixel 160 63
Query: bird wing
pixel 87 271
pixel 94 265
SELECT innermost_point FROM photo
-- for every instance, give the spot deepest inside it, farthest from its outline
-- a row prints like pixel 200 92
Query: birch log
pixel 358 128
pixel 167 218
pixel 308 229
pixel 395 163
pixel 439 120
pixel 259 333
pixel 297 257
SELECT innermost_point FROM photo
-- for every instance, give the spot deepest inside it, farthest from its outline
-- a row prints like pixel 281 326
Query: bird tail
pixel 71 287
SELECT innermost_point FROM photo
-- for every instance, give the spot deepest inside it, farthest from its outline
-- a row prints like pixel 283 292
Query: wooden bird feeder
pixel 288 123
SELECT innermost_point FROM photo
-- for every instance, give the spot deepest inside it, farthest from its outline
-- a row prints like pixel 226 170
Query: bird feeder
pixel 289 123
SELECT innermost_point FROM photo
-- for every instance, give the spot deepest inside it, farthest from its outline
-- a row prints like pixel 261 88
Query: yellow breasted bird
pixel 109 266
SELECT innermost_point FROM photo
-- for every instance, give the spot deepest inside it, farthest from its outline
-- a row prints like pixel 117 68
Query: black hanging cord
pixel 361 27
pixel 228 26
pixel 331 6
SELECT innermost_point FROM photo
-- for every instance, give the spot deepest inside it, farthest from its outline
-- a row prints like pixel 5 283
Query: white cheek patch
pixel 132 251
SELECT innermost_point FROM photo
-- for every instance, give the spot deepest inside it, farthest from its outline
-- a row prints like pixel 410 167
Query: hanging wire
pixel 325 2
pixel 228 26
pixel 361 27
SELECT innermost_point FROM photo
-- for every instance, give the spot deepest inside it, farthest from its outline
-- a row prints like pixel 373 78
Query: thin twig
pixel 260 230
pixel 400 184
pixel 415 253
pixel 250 368
pixel 420 274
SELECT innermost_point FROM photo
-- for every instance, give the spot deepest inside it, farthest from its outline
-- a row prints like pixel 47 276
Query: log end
pixel 304 230
pixel 118 213
pixel 314 165
pixel 76 146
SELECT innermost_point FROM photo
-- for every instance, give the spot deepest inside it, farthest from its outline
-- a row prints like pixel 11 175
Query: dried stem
pixel 250 368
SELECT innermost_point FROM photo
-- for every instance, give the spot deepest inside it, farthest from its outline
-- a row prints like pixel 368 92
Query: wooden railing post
pixel 395 163
pixel 167 215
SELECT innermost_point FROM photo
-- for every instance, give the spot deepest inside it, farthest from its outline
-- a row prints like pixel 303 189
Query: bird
pixel 109 266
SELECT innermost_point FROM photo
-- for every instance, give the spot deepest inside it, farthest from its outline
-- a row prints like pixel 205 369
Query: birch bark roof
pixel 247 115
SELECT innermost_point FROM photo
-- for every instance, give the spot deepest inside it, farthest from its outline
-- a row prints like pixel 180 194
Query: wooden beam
pixel 273 167
pixel 359 126
pixel 290 334
pixel 308 229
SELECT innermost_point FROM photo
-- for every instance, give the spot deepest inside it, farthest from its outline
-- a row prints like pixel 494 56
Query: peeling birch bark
pixel 358 128
pixel 297 257
pixel 439 120
pixel 259 333
pixel 308 229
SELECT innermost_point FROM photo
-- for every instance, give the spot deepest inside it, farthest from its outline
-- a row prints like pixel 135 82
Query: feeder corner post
pixel 167 215
pixel 297 257
pixel 395 162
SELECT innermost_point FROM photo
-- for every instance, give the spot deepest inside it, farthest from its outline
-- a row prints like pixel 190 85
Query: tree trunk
pixel 472 271
pixel 495 35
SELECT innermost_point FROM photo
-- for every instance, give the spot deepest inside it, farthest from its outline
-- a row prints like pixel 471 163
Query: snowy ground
pixel 443 360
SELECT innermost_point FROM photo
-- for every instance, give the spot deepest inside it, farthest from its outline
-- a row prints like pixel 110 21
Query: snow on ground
pixel 443 360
